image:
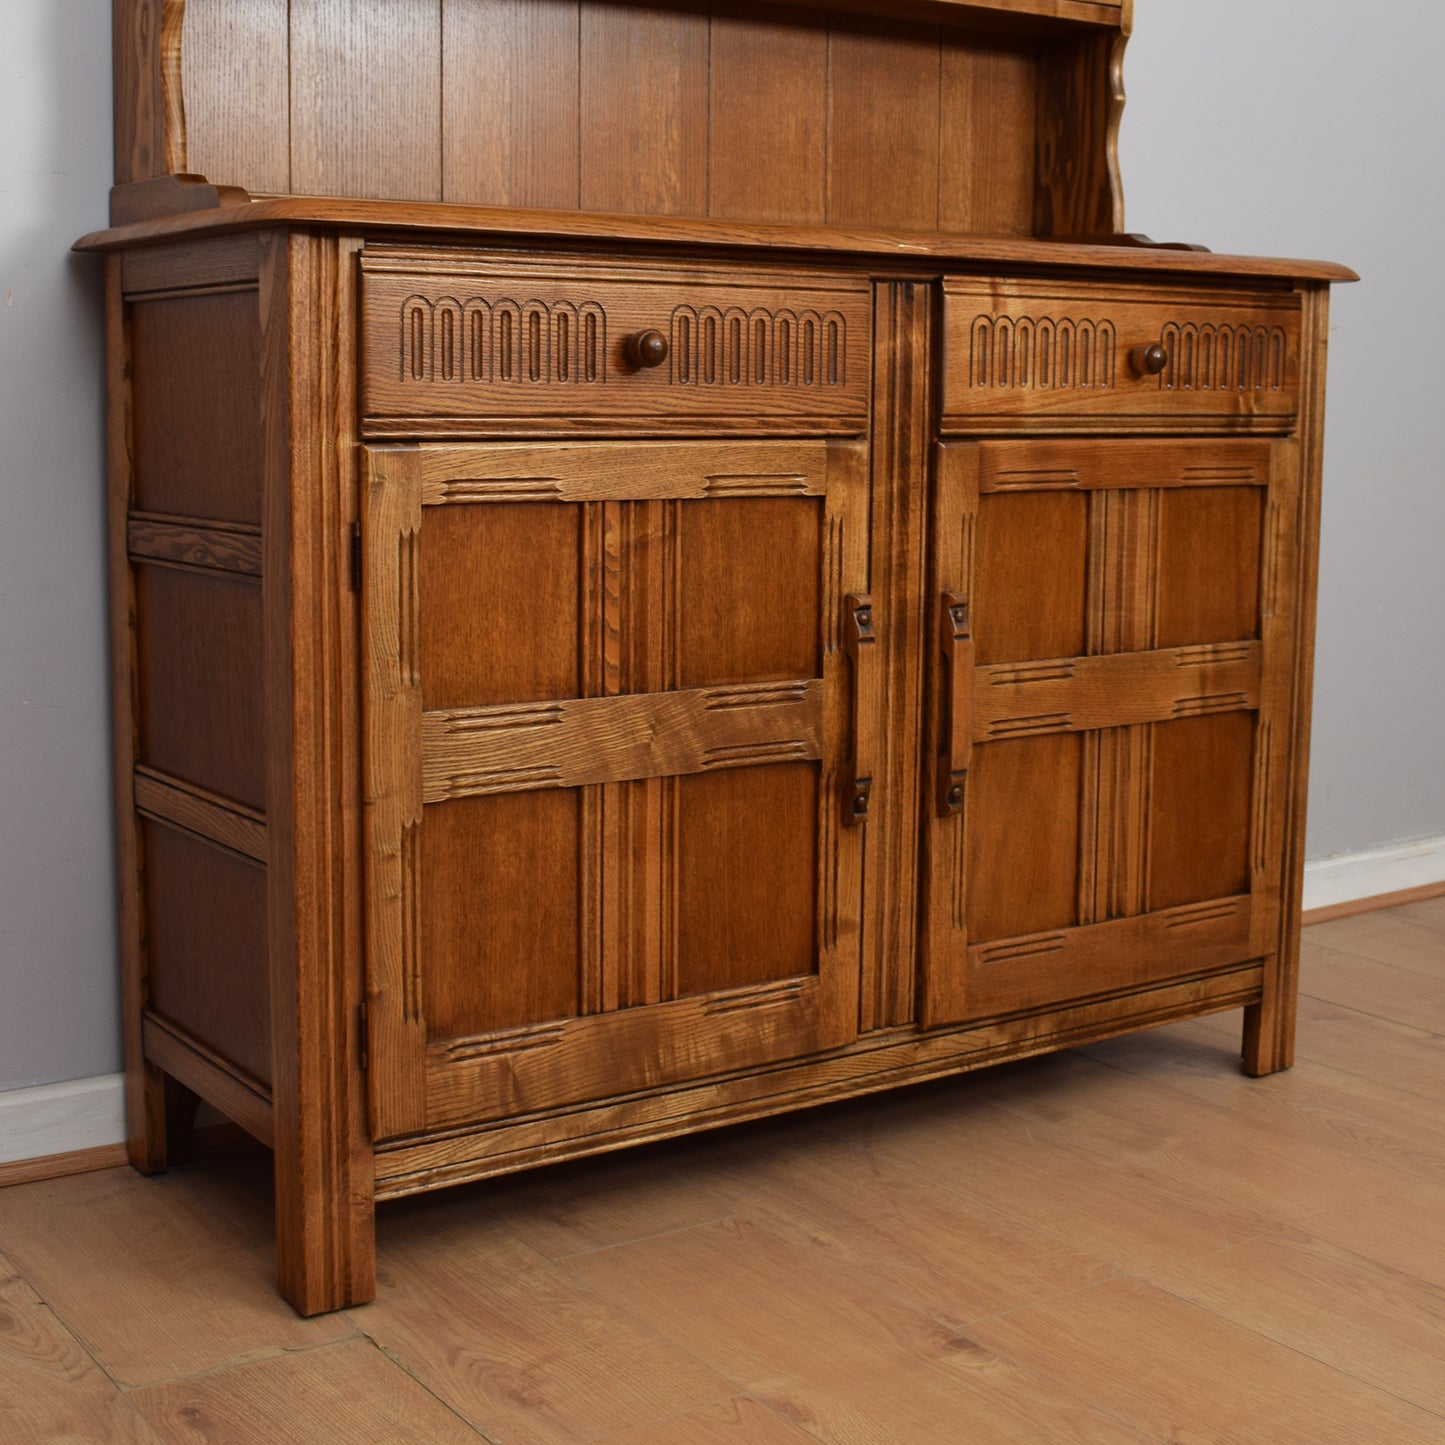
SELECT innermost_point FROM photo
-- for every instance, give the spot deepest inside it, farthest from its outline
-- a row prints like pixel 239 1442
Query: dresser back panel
pixel 729 111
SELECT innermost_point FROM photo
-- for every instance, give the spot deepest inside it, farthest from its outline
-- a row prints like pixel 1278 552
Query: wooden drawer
pixel 1071 355
pixel 467 343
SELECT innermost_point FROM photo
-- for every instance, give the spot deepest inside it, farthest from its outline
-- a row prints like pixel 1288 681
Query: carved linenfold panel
pixel 758 348
pixel 1028 353
pixel 487 340
pixel 1238 358
pixel 614 739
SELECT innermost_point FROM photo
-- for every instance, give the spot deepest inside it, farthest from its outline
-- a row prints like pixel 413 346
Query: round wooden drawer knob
pixel 646 348
pixel 1149 360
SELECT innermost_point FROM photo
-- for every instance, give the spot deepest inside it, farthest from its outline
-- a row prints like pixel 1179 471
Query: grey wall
pixel 1318 129
pixel 1288 128
pixel 57 991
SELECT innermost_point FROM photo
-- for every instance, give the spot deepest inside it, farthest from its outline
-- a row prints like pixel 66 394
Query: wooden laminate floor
pixel 1130 1242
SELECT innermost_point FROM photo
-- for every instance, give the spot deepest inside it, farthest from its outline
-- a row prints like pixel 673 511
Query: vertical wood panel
pixel 988 138
pixel 199 651
pixel 768 89
pixel 1080 100
pixel 1023 836
pixel 644 110
pixel 747 876
pixel 366 98
pixel 883 89
pixel 206 939
pixel 139 78
pixel 510 126
pixel 235 68
pixel 1029 585
pixel 1209 564
pixel 749 572
pixel 500 605
pixel 499 895
pixel 1200 809
pixel 197 406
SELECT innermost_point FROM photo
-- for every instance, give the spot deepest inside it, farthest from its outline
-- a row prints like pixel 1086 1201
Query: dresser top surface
pixel 440 222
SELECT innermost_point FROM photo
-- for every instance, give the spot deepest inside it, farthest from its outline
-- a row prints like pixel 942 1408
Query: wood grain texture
pixel 882 125
pixel 510 123
pixel 189 1061
pixel 200 705
pixel 1017 350
pixel 988 119
pixel 196 407
pixel 323 1192
pixel 465 753
pixel 205 934
pixel 456 223
pixel 468 343
pixel 643 109
pixel 172 1303
pixel 50 1387
pixel 902 428
pixel 768 127
pixel 1269 1029
pixel 349 1393
pixel 235 63
pixel 366 98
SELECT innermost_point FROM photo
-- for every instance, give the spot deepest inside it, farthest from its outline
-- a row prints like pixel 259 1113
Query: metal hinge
pixel 356 556
pixel 364 1039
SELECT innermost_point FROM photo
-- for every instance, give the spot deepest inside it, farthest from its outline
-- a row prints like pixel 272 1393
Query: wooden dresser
pixel 671 563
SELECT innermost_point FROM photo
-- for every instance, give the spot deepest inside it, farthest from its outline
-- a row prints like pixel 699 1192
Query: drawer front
pixel 1077 356
pixel 474 344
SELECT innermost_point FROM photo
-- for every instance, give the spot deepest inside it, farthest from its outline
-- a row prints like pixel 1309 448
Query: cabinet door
pixel 609 745
pixel 1114 635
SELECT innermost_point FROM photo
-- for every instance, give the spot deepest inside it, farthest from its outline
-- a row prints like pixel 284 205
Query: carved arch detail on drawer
pixel 1223 358
pixel 1027 353
pixel 785 347
pixel 484 340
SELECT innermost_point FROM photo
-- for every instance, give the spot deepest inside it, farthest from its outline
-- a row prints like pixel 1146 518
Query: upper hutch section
pixel 997 117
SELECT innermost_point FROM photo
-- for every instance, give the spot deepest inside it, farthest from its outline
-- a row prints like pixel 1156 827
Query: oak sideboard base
pixel 691 571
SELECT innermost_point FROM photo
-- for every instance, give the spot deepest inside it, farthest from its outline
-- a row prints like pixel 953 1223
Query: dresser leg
pixel 1269 1025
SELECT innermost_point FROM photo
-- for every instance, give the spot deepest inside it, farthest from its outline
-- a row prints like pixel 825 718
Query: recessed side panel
pixel 201 707
pixel 206 943
pixel 196 379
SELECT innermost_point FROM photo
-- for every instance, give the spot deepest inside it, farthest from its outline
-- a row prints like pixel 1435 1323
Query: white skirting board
pixel 87 1113
pixel 1347 877
pixel 62 1118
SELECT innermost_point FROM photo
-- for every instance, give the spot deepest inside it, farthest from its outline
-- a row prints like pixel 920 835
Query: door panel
pixel 606 720
pixel 1105 822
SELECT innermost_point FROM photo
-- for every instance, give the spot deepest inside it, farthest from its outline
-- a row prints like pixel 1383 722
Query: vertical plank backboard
pixel 987 137
pixel 366 98
pixel 644 110
pixel 234 68
pixel 768 106
pixel 510 133
pixel 883 85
